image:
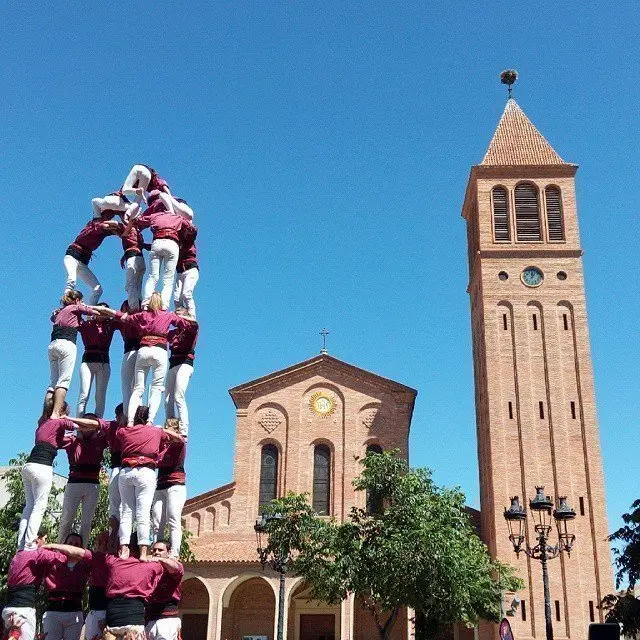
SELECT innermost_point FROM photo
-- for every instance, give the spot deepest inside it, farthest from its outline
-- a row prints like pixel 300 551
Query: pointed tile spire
pixel 517 142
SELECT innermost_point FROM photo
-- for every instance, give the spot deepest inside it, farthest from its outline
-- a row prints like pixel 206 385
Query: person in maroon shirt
pixel 37 473
pixel 152 326
pixel 131 342
pixel 162 611
pixel 26 571
pixel 65 581
pixel 187 270
pixel 165 226
pixel 95 620
pixel 109 428
pixel 132 262
pixel 83 488
pixel 62 349
pixel 182 341
pixel 79 252
pixel 96 335
pixel 143 178
pixel 129 584
pixel 141 445
pixel 171 490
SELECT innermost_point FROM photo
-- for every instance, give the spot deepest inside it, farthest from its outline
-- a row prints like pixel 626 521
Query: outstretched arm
pixel 86 424
pixel 172 435
pixel 73 553
pixel 168 564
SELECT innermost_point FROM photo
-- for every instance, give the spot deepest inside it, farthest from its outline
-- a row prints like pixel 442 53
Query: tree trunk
pixel 384 629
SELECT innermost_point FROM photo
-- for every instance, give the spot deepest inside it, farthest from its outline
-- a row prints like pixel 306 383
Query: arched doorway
pixel 310 619
pixel 194 609
pixel 250 612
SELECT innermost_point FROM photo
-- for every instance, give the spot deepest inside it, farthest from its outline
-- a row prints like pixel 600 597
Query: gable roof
pixel 321 364
pixel 517 142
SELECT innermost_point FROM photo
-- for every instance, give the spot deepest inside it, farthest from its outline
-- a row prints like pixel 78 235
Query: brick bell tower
pixel 535 404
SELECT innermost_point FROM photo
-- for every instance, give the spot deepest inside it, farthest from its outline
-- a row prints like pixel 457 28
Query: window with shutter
pixel 321 479
pixel 268 474
pixel 554 214
pixel 527 213
pixel 374 505
pixel 501 229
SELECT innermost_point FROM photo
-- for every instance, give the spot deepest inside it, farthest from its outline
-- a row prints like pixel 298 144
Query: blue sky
pixel 325 148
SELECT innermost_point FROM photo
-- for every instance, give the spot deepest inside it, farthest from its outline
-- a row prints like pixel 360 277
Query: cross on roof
pixel 324 333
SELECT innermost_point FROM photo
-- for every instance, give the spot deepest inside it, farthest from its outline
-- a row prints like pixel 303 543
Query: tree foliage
pixel 625 607
pixel 420 551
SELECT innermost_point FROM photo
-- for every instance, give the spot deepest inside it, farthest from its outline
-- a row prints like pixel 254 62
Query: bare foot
pixel 124 551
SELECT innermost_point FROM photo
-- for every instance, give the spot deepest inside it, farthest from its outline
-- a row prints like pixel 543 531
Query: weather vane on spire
pixel 324 333
pixel 509 77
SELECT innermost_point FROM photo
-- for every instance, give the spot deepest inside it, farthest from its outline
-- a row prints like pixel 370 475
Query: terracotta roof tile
pixel 517 142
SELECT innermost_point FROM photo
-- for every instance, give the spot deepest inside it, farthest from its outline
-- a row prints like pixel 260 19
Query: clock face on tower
pixel 322 404
pixel 532 277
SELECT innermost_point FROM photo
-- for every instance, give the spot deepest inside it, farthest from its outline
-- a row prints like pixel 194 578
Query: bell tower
pixel 535 404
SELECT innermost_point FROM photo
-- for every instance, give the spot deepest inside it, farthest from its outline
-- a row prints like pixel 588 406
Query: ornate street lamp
pixel 542 508
pixel 276 560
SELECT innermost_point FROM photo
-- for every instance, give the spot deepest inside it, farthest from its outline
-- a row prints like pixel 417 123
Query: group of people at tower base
pixel 133 577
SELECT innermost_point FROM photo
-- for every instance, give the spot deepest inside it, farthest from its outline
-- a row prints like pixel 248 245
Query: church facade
pixel 303 428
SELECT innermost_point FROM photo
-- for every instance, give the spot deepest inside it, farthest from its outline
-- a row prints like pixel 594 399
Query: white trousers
pixel 154 360
pixel 165 629
pixel 62 360
pixel 62 625
pixel 137 486
pixel 177 383
pixel 22 617
pixel 37 479
pixel 163 258
pixel 167 511
pixel 127 373
pixel 114 493
pixel 100 372
pixel 76 269
pixel 138 174
pixel 76 494
pixel 134 268
pixel 94 624
pixel 183 293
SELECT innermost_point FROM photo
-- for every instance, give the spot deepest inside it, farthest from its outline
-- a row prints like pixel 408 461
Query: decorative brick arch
pixel 248 607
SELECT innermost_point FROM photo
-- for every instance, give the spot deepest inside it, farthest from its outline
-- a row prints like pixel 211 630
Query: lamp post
pixel 277 560
pixel 542 508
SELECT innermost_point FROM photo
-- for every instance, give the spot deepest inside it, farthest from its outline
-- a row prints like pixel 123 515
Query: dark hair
pixel 119 409
pixel 92 415
pixel 134 547
pixel 71 297
pixel 142 415
pixel 124 306
pixel 74 535
pixel 42 532
pixel 163 541
pixel 47 406
pixel 103 304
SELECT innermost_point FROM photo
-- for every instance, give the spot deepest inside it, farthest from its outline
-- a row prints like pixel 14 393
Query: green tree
pixel 624 607
pixel 420 550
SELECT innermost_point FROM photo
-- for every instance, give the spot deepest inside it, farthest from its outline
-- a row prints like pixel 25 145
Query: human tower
pixel 133 577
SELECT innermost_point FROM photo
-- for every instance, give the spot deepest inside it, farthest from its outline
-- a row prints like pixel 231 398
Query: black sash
pixel 116 459
pixel 64 333
pixel 159 610
pixel 122 612
pixel 24 596
pixel 64 601
pixel 96 356
pixel 97 599
pixel 43 453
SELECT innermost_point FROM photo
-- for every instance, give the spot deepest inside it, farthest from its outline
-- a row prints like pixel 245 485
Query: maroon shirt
pixel 91 237
pixel 28 567
pixel 128 578
pixel 166 596
pixel 132 243
pixel 97 335
pixel 153 327
pixel 52 431
pixel 70 315
pixel 99 572
pixel 171 466
pixel 64 580
pixel 187 258
pixel 85 456
pixel 163 223
pixel 183 339
pixel 141 443
pixel 156 183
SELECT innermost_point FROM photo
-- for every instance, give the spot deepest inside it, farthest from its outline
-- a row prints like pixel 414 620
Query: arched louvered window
pixel 268 474
pixel 555 221
pixel 501 227
pixel 374 505
pixel 527 213
pixel 321 479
